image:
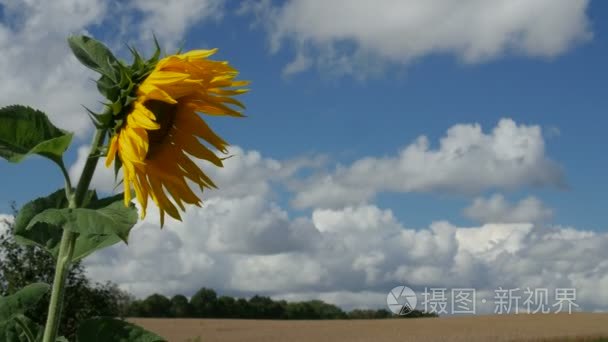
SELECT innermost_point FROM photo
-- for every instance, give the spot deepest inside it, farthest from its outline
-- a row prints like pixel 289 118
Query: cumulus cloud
pixel 244 242
pixel 170 20
pixel 349 256
pixel 37 67
pixel 467 161
pixel 5 221
pixel 354 37
pixel 496 209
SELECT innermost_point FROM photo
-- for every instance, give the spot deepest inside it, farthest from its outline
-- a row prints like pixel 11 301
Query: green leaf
pixel 24 131
pixel 43 235
pixel 94 55
pixel 109 329
pixel 112 219
pixel 22 300
pixel 87 244
pixel 22 329
pixel 48 235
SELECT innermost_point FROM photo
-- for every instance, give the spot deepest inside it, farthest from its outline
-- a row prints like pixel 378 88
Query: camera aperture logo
pixel 401 300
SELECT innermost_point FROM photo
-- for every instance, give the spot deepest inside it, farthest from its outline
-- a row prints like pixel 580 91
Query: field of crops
pixel 553 328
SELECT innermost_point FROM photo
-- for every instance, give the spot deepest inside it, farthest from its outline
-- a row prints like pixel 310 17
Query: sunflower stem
pixel 68 241
pixel 89 167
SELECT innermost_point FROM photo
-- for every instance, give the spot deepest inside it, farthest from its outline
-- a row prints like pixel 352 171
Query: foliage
pixel 26 131
pixel 14 326
pixel 206 304
pixel 109 329
pixel 101 223
pixel 180 307
pixel 22 265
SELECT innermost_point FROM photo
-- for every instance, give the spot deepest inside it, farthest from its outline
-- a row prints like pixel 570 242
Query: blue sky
pixel 358 95
pixel 346 119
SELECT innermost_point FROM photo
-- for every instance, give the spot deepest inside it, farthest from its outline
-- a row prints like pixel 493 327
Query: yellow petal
pixel 139 118
pixel 151 92
pixel 112 150
pixel 198 54
pixel 160 78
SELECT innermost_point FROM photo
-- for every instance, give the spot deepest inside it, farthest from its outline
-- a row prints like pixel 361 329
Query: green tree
pixel 265 307
pixel 156 305
pixel 300 310
pixel 136 309
pixel 324 310
pixel 226 307
pixel 180 307
pixel 204 302
pixel 242 309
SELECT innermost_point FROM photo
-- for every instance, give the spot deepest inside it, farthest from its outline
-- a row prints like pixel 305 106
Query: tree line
pixel 207 304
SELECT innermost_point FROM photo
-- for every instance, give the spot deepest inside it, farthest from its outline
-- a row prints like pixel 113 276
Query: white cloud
pixel 349 256
pixel 350 37
pixel 467 161
pixel 496 209
pixel 244 242
pixel 170 20
pixel 299 64
pixel 37 67
pixel 5 221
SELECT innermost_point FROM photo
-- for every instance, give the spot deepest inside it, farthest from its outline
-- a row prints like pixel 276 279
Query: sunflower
pixel 159 138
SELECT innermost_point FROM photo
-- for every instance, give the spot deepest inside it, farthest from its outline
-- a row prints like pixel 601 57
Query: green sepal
pixel 100 120
pixel 117 166
pixel 94 55
pixel 108 88
pixel 125 77
pixel 156 55
pixel 25 131
pixel 138 61
pixel 116 107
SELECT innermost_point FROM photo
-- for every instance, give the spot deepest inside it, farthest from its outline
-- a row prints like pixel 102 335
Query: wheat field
pixel 549 328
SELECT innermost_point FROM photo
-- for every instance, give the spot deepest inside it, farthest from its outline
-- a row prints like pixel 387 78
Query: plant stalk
pixel 68 241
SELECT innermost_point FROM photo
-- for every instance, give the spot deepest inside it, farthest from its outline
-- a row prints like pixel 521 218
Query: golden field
pixel 550 327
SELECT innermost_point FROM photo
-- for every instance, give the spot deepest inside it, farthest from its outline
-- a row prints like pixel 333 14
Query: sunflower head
pixel 157 132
